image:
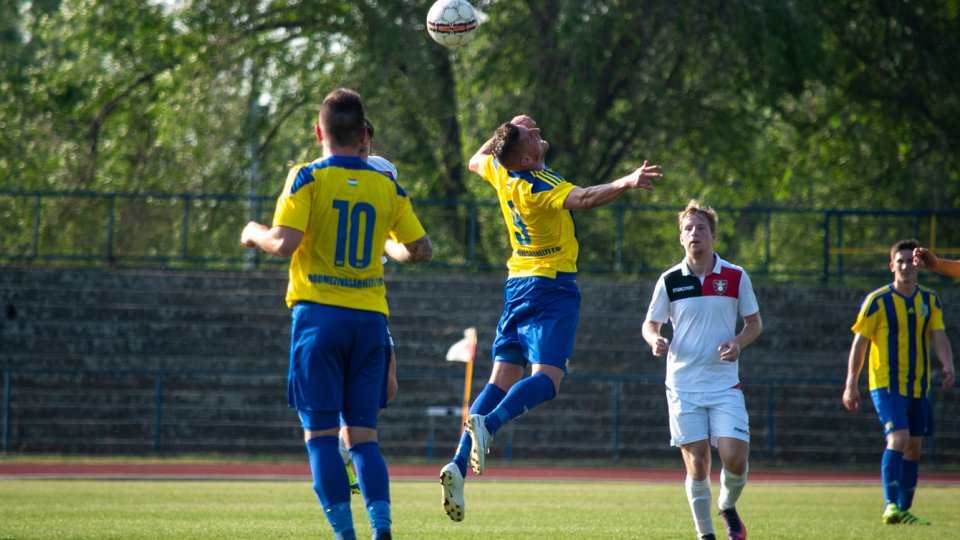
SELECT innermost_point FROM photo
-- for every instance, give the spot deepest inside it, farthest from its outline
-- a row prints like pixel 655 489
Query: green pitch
pixel 128 509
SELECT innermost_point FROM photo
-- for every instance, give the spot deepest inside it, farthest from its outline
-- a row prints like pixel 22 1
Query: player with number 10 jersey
pixel 346 209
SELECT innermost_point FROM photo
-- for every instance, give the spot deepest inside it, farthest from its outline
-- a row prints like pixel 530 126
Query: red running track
pixel 422 472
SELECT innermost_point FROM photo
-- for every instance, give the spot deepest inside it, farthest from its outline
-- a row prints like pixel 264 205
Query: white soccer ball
pixel 452 23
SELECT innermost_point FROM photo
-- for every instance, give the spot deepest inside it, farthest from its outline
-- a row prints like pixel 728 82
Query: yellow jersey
pixel 899 328
pixel 345 209
pixel 542 233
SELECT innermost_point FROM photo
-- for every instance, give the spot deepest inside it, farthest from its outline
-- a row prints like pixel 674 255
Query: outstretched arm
pixel 924 258
pixel 281 241
pixel 594 196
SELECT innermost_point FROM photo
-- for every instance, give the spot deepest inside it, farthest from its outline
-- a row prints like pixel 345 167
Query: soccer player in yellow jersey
pixel 899 324
pixel 541 297
pixel 333 218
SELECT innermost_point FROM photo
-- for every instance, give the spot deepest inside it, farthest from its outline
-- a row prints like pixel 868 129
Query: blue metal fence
pixel 185 410
pixel 183 229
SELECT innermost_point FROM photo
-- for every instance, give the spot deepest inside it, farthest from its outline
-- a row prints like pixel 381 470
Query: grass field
pixel 127 509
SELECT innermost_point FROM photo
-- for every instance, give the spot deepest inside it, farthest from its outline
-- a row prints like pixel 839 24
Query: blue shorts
pixel 899 412
pixel 336 365
pixel 386 370
pixel 539 321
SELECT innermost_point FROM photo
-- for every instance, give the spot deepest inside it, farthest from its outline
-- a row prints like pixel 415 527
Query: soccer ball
pixel 452 23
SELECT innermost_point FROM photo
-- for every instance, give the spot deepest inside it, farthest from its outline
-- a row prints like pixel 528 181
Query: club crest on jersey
pixel 720 285
pixel 352 182
pixel 925 310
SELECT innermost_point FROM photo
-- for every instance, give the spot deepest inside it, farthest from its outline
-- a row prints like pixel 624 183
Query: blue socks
pixel 497 407
pixel 891 467
pixel 374 483
pixel 331 485
pixel 488 399
pixel 524 396
pixel 908 483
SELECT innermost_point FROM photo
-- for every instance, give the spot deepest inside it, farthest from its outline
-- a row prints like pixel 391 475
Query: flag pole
pixel 464 351
pixel 471 335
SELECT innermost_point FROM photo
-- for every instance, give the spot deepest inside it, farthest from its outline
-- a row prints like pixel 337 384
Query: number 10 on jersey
pixel 350 221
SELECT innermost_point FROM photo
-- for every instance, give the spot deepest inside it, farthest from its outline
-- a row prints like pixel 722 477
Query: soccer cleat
pixel 348 463
pixel 382 535
pixel 735 528
pixel 909 519
pixel 477 429
pixel 891 514
pixel 710 536
pixel 452 488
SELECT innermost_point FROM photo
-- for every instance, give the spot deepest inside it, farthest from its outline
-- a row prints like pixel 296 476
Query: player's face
pixel 695 235
pixel 366 148
pixel 534 147
pixel 902 267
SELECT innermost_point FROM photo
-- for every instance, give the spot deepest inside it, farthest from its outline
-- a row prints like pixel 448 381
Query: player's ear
pixel 316 128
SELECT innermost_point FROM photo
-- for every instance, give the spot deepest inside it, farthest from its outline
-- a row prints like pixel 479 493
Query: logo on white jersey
pixel 720 285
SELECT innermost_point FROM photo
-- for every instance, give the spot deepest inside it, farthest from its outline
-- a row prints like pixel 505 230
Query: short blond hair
pixel 694 209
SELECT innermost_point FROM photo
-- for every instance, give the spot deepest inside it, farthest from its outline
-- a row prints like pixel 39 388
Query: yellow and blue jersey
pixel 346 209
pixel 899 329
pixel 542 233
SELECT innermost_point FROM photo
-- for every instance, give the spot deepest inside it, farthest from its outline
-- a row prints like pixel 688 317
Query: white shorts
pixel 695 416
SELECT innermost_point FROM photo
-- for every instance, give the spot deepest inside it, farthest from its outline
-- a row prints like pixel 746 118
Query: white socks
pixel 731 486
pixel 698 494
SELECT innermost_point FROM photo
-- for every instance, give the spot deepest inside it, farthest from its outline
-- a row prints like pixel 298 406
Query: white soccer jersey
pixel 383 165
pixel 704 315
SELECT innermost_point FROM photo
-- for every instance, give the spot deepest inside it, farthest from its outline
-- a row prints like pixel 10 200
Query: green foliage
pixel 802 105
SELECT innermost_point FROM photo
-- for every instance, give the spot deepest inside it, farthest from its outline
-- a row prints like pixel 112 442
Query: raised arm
pixel 594 196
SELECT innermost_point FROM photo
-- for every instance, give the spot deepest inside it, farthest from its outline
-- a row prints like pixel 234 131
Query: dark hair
pixel 369 125
pixel 505 146
pixel 341 117
pixel 901 245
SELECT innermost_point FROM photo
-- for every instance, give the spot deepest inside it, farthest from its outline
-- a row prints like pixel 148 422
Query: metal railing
pixel 183 229
pixel 616 417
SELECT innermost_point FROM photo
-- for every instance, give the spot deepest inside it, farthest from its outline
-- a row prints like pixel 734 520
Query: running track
pixel 288 471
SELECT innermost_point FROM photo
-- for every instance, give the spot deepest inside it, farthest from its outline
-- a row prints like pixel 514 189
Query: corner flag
pixel 464 351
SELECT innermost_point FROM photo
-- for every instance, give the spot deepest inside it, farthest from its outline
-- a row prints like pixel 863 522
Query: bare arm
pixel 851 393
pixel 941 344
pixel 752 327
pixel 281 241
pixel 417 252
pixel 924 258
pixel 594 196
pixel 651 334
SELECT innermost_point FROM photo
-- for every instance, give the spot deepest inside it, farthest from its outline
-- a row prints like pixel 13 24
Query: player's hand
pixel 524 120
pixel 924 258
pixel 729 350
pixel 250 232
pixel 851 398
pixel 644 176
pixel 661 346
pixel 949 376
